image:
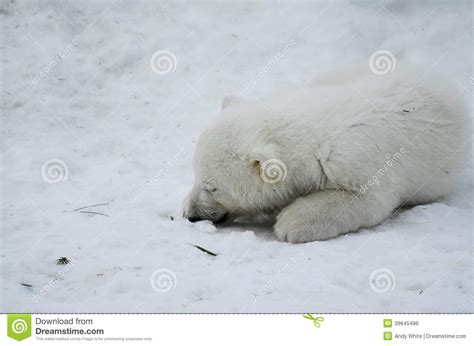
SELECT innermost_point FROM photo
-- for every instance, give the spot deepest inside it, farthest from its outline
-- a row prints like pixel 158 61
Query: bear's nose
pixel 194 218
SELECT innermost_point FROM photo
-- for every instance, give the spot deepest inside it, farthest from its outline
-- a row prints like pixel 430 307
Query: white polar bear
pixel 341 154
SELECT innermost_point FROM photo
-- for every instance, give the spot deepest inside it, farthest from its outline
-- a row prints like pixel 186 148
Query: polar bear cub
pixel 339 155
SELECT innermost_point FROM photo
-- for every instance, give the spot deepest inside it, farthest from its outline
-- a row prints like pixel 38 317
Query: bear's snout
pixel 197 213
pixel 200 206
pixel 194 218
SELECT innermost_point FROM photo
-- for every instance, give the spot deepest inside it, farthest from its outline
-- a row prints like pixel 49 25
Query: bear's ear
pixel 256 167
pixel 259 158
pixel 230 99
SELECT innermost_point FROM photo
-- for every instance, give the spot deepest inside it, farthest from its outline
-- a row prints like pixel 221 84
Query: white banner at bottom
pixel 238 329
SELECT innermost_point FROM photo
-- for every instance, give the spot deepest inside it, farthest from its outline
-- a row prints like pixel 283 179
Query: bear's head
pixel 238 167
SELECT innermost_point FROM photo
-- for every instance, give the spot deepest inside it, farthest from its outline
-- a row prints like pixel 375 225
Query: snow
pixel 127 134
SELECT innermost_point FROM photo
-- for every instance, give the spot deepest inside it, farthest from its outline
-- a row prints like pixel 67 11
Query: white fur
pixel 354 145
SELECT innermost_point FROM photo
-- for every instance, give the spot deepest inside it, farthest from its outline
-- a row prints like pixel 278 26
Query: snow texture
pixel 78 87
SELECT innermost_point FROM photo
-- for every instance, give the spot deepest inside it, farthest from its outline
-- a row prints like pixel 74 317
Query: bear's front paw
pixel 293 231
pixel 296 225
pixel 285 232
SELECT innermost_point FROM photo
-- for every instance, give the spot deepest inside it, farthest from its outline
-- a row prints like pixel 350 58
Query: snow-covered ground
pixel 78 87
